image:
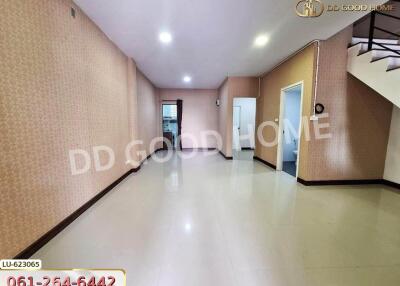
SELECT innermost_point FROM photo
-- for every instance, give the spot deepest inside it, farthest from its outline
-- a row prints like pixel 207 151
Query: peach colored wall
pixel 64 86
pixel 223 96
pixel 199 114
pixel 359 118
pixel 298 68
pixel 359 121
pixel 148 112
pixel 392 163
pixel 361 27
pixel 133 110
pixel 233 87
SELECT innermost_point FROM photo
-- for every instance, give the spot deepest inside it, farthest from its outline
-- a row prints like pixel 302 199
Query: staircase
pixel 376 62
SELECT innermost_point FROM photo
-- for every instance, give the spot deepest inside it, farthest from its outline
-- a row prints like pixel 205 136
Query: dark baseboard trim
pixel 264 162
pixel 199 149
pixel 247 149
pixel 223 155
pixel 44 239
pixel 391 184
pixel 340 182
pixel 351 182
pixel 155 151
pixel 137 169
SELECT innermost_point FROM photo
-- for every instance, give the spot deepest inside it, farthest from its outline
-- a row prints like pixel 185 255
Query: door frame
pixel 279 159
pixel 254 139
pixel 160 108
pixel 233 123
pixel 166 102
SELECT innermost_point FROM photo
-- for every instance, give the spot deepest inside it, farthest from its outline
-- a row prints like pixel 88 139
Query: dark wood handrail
pixel 386 48
pixel 372 29
pixel 386 31
pixel 387 15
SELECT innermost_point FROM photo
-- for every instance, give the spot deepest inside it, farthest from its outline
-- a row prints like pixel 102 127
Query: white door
pixel 236 128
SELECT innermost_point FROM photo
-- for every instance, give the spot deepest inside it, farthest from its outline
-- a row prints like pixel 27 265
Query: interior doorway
pixel 170 125
pixel 290 129
pixel 243 133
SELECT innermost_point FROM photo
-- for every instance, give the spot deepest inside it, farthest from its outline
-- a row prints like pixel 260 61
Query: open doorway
pixel 170 124
pixel 244 121
pixel 290 129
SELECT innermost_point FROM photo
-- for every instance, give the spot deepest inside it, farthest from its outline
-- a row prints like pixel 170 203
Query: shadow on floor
pixel 290 168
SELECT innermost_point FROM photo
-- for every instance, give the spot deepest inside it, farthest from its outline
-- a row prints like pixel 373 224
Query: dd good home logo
pixel 309 8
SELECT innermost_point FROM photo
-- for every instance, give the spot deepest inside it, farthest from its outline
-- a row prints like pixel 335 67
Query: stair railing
pixel 373 27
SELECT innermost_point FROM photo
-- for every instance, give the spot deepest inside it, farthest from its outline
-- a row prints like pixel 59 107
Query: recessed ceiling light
pixel 261 41
pixel 187 78
pixel 165 37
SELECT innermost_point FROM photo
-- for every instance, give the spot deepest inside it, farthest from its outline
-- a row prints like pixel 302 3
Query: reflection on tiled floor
pixel 207 221
pixel 245 155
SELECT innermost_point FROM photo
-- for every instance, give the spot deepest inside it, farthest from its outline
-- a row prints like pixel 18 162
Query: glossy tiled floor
pixel 206 221
pixel 245 155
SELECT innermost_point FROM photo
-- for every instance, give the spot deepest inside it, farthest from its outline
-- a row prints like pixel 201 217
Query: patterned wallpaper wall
pixel 63 86
pixel 296 69
pixel 232 87
pixel 200 113
pixel 359 120
pixel 359 117
pixel 149 112
pixel 223 95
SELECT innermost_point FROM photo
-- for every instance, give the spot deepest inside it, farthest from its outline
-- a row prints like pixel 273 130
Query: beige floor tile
pixel 209 221
pixel 271 277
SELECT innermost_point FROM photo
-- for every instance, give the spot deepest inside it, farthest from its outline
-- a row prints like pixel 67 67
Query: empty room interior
pixel 200 142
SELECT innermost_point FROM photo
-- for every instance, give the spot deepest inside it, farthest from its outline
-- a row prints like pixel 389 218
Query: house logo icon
pixel 310 8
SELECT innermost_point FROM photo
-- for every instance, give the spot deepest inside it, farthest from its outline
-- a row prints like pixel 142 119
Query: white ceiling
pixel 212 39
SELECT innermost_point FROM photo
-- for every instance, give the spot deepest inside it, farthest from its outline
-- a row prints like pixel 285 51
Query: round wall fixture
pixel 319 108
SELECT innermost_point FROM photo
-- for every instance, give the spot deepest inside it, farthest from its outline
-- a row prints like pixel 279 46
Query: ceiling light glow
pixel 188 227
pixel 261 41
pixel 187 79
pixel 165 38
